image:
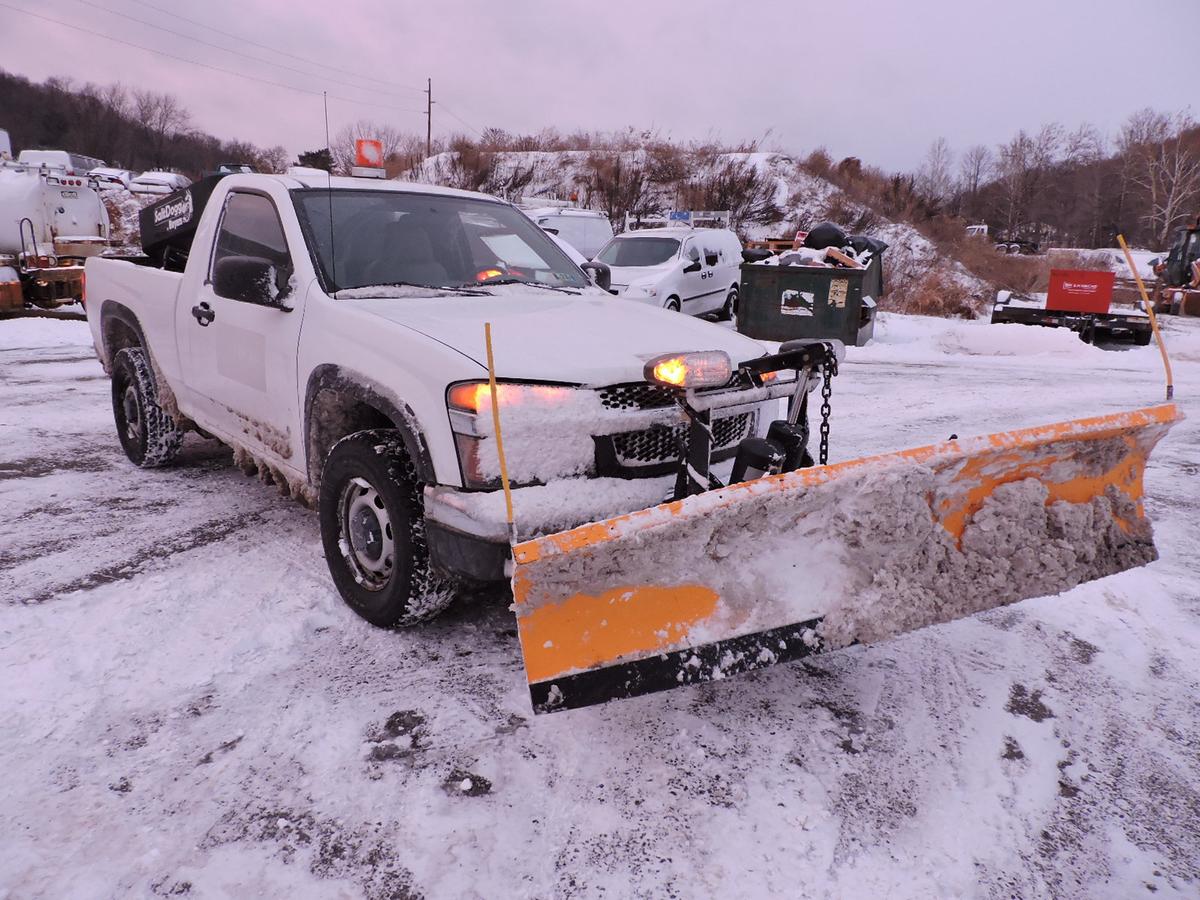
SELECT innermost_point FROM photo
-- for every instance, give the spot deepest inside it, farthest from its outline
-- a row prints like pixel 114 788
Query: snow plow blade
pixel 787 565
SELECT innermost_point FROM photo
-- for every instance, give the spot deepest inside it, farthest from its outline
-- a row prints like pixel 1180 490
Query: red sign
pixel 368 153
pixel 1076 291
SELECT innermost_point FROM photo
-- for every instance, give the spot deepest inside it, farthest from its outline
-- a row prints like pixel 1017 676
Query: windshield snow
pixel 382 238
pixel 639 251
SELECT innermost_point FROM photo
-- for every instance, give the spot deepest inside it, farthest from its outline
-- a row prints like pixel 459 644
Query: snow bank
pixel 915 336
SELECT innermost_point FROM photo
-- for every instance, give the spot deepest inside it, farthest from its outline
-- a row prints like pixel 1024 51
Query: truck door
pixel 239 333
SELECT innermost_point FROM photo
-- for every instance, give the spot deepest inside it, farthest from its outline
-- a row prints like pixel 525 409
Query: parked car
pixel 108 178
pixel 587 230
pixel 352 369
pixel 159 183
pixel 691 270
pixel 62 160
pixel 5 146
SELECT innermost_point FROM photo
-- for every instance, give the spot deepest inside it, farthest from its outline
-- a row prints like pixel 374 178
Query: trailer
pixel 1078 300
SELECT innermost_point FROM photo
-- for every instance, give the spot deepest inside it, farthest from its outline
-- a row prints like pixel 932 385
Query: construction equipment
pixel 800 558
pixel 1177 285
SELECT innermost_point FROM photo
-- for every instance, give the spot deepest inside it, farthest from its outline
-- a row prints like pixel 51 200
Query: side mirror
pixel 693 266
pixel 600 273
pixel 251 279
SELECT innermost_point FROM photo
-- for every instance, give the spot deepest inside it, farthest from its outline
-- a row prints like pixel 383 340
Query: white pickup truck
pixel 331 331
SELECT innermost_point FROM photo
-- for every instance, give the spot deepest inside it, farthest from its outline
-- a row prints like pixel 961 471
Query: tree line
pixel 1076 188
pixel 128 127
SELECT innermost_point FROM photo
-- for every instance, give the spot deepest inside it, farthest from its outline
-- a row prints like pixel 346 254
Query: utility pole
pixel 428 117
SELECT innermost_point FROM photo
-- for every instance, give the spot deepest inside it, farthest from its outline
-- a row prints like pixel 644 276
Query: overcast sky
pixel 869 78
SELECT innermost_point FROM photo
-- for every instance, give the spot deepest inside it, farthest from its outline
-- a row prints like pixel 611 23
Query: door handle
pixel 204 314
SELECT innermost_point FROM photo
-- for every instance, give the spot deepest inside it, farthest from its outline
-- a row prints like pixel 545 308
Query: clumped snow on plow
pixel 787 565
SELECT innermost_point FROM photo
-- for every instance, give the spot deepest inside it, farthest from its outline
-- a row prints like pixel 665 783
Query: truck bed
pixel 150 293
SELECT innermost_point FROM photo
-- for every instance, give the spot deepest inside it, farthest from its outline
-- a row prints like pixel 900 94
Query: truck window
pixel 711 254
pixel 382 238
pixel 250 227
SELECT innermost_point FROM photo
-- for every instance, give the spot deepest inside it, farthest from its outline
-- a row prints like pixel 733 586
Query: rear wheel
pixel 373 529
pixel 148 435
pixel 673 304
pixel 729 310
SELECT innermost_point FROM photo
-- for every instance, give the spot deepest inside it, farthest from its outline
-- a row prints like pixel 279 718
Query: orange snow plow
pixel 725 580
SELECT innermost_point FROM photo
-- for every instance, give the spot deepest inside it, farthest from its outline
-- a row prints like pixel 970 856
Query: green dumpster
pixel 781 303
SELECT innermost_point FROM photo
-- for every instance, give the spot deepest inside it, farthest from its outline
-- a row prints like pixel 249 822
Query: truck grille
pixel 637 395
pixel 659 445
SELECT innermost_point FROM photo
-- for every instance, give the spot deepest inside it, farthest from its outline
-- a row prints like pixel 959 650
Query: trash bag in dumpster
pixel 825 235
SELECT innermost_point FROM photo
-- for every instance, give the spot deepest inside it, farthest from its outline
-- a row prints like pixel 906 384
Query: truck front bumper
pixel 468 535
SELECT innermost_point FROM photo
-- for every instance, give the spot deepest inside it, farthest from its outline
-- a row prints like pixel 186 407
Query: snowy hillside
pixel 769 194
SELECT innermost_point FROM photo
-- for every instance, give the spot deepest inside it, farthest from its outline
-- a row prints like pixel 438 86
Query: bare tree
pixel 974 169
pixel 274 159
pixel 1023 168
pixel 935 178
pixel 163 117
pixel 1163 165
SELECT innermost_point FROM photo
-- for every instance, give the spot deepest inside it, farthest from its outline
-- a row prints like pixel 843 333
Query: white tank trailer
pixel 50 222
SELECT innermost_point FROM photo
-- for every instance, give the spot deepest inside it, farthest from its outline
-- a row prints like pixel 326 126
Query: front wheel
pixel 673 304
pixel 373 530
pixel 148 434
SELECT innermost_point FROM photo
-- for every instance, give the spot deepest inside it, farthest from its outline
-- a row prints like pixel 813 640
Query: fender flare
pixel 113 311
pixel 329 376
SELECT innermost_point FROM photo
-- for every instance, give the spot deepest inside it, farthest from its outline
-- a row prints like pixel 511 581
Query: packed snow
pixel 190 709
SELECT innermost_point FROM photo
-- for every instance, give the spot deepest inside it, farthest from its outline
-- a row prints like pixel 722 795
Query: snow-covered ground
pixel 188 709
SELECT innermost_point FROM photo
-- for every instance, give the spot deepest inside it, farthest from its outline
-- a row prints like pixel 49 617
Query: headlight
pixel 642 290
pixel 706 368
pixel 470 406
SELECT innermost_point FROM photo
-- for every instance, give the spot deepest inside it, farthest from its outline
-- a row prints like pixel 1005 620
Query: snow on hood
pixel 540 335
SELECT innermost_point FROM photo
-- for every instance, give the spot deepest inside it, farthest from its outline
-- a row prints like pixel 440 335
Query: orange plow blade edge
pixel 788 565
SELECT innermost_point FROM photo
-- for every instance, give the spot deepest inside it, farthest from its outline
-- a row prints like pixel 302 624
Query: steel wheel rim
pixel 133 414
pixel 367 539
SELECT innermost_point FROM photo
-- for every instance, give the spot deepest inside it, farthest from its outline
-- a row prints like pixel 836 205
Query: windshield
pixel 639 251
pixel 427 240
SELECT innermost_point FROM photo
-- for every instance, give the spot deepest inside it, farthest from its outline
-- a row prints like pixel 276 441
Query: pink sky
pixel 871 78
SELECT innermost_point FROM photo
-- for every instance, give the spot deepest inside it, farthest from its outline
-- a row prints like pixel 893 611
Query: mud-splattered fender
pixel 114 317
pixel 330 377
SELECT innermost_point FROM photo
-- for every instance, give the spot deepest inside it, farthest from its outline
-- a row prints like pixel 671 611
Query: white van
pixel 587 230
pixel 691 270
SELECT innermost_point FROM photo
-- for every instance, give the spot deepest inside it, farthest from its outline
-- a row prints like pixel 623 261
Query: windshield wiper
pixel 450 288
pixel 536 284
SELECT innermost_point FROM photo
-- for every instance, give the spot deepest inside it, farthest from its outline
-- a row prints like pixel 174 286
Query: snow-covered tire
pixel 673 304
pixel 148 434
pixel 372 515
pixel 729 310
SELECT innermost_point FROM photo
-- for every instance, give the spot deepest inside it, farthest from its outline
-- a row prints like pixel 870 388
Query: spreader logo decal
pixel 175 213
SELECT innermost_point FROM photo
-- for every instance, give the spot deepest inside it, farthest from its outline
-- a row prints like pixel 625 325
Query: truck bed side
pixel 123 289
